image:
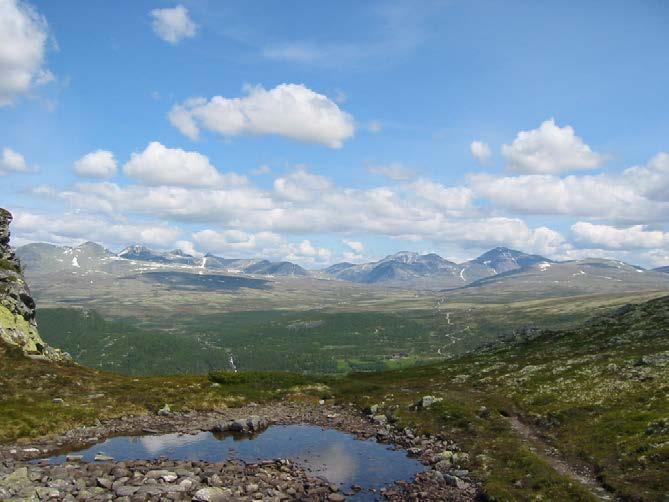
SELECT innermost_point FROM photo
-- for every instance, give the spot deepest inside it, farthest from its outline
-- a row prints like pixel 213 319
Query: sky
pixel 344 131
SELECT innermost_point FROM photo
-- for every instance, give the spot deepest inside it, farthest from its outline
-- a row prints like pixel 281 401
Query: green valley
pixel 325 341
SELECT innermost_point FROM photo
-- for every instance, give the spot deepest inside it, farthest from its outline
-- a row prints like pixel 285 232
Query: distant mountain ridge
pixel 89 256
pixel 142 253
pixel 500 260
pixel 400 266
pixel 503 271
pixel 431 267
pixel 585 276
pixel 497 268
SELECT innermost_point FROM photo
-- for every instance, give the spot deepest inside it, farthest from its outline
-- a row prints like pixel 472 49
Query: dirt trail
pixel 548 454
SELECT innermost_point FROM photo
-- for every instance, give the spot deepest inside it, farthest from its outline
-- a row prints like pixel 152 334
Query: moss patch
pixel 15 330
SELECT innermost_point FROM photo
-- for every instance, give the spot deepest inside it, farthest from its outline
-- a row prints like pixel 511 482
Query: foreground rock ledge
pixel 166 479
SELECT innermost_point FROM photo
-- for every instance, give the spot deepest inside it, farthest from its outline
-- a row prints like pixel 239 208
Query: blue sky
pixel 342 132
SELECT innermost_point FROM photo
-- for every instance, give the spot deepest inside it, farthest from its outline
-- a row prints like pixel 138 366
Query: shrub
pixel 271 379
pixel 10 265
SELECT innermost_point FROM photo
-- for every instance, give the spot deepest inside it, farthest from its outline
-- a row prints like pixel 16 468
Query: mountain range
pixel 498 268
pixel 89 256
pixel 432 268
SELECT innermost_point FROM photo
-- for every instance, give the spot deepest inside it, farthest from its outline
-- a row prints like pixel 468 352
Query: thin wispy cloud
pixel 395 29
pixel 394 171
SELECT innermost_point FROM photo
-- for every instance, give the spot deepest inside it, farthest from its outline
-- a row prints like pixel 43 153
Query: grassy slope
pixel 29 411
pixel 597 393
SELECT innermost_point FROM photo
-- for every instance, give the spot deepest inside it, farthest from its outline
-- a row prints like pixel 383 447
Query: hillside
pixel 595 398
pixel 567 278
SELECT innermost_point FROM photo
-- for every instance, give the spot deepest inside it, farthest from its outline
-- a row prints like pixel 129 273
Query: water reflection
pixel 328 453
pixel 156 446
pixel 338 465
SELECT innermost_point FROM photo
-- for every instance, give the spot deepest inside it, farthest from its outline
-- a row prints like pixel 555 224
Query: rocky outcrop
pixel 17 308
pixel 251 425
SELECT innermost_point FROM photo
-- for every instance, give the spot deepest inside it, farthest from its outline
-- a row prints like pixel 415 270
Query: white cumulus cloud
pixel 159 165
pixel 250 220
pixel 657 257
pixel 236 243
pixel 610 237
pixel 74 228
pixel 290 110
pixel 652 179
pixel 232 241
pixel 23 39
pixel 602 196
pixel 189 248
pixel 480 151
pixel 356 246
pixel 301 186
pixel 452 199
pixel 303 203
pixel 97 164
pixel 550 149
pixel 173 24
pixel 13 162
pixel 305 252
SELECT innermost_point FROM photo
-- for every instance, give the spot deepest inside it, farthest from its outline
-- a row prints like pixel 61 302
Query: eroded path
pixel 548 454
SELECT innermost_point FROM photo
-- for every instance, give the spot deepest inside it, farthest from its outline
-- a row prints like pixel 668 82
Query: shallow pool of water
pixel 339 457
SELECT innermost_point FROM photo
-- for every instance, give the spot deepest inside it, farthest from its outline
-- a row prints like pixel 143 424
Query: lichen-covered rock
pixel 427 401
pixel 17 307
pixel 165 411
